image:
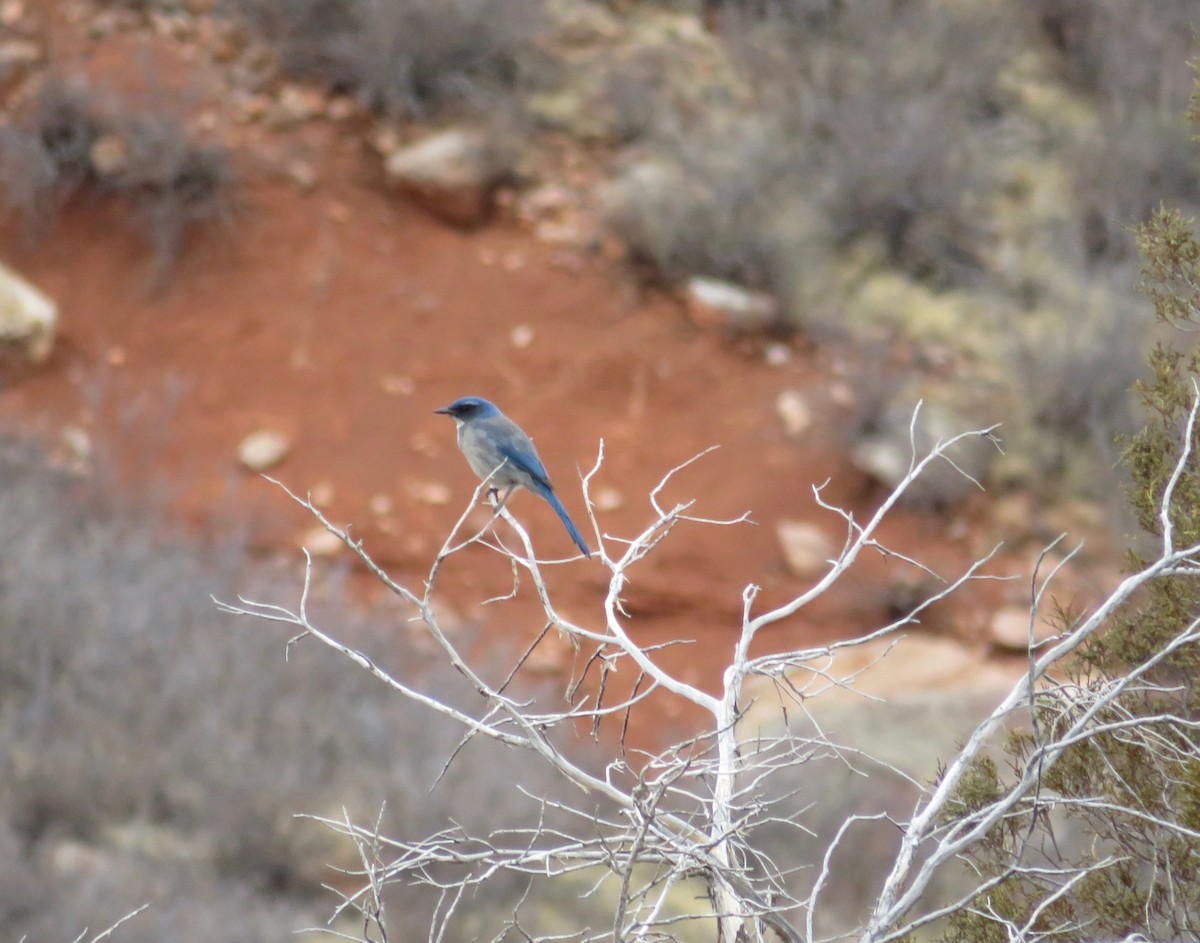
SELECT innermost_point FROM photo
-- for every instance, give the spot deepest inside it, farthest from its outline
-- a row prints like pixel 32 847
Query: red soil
pixel 343 316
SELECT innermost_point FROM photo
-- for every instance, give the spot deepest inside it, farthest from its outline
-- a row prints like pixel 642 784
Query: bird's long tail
pixel 552 500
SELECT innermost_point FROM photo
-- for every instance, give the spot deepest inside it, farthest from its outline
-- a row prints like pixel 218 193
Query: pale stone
pixel 794 411
pixel 806 549
pixel 777 354
pixel 321 543
pixel 433 493
pixel 714 303
pixel 887 454
pixel 109 155
pixel 263 449
pixel 397 385
pixel 1009 629
pixel 301 173
pixel 452 174
pixel 380 505
pixel 341 108
pixel 20 52
pixel 78 442
pixel 338 212
pixel 11 12
pixel 295 104
pixel 322 493
pixel 28 317
pixel 608 499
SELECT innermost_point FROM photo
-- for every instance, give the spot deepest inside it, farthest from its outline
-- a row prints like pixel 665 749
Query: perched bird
pixel 495 445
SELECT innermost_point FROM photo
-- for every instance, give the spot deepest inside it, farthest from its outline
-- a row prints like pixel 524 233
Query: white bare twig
pixel 645 826
pixel 104 935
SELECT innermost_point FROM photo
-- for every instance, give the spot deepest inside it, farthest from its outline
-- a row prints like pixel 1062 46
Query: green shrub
pixel 1123 793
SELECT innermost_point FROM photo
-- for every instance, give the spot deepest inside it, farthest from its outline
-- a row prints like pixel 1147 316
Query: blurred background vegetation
pixel 960 176
pixel 148 752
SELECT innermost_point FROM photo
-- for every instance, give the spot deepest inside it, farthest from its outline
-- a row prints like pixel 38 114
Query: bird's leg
pixel 498 505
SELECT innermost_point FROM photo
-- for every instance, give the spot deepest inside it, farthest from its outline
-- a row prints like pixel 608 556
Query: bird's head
pixel 468 408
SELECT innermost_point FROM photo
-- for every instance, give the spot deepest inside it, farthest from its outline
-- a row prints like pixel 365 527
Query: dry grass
pixel 405 58
pixel 72 140
pixel 152 751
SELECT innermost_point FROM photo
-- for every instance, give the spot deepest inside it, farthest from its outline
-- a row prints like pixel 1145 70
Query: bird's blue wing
pixel 518 448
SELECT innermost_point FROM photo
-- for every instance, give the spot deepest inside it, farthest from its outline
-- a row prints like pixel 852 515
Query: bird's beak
pixel 445 411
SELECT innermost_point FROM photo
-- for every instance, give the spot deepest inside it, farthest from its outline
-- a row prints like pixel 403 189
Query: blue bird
pixel 495 445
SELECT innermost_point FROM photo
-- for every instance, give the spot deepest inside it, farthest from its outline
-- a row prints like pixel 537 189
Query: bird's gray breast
pixel 484 455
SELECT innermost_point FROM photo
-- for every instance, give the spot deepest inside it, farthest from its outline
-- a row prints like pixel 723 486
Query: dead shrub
pixel 151 751
pixel 866 120
pixel 405 58
pixel 1128 56
pixel 71 139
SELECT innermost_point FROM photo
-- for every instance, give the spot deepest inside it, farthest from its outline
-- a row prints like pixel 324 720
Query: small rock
pixel 11 12
pixel 28 317
pixel 387 525
pixel 320 542
pixel 433 493
pixel 777 354
pixel 341 108
pixel 561 233
pixel 338 212
pixel 380 505
pixel 175 25
pixel 453 175
pixel 109 155
pixel 609 499
pixel 78 443
pixel 397 385
pixel 521 336
pixel 842 394
pixel 794 411
pixel 425 444
pixel 1009 629
pixel 806 549
pixel 263 449
pixel 385 138
pixel 20 52
pixel 714 303
pixel 104 24
pixel 78 861
pixel 249 107
pixel 322 493
pixel 887 453
pixel 295 104
pixel 543 201
pixel 207 121
pixel 550 658
pixel 301 173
